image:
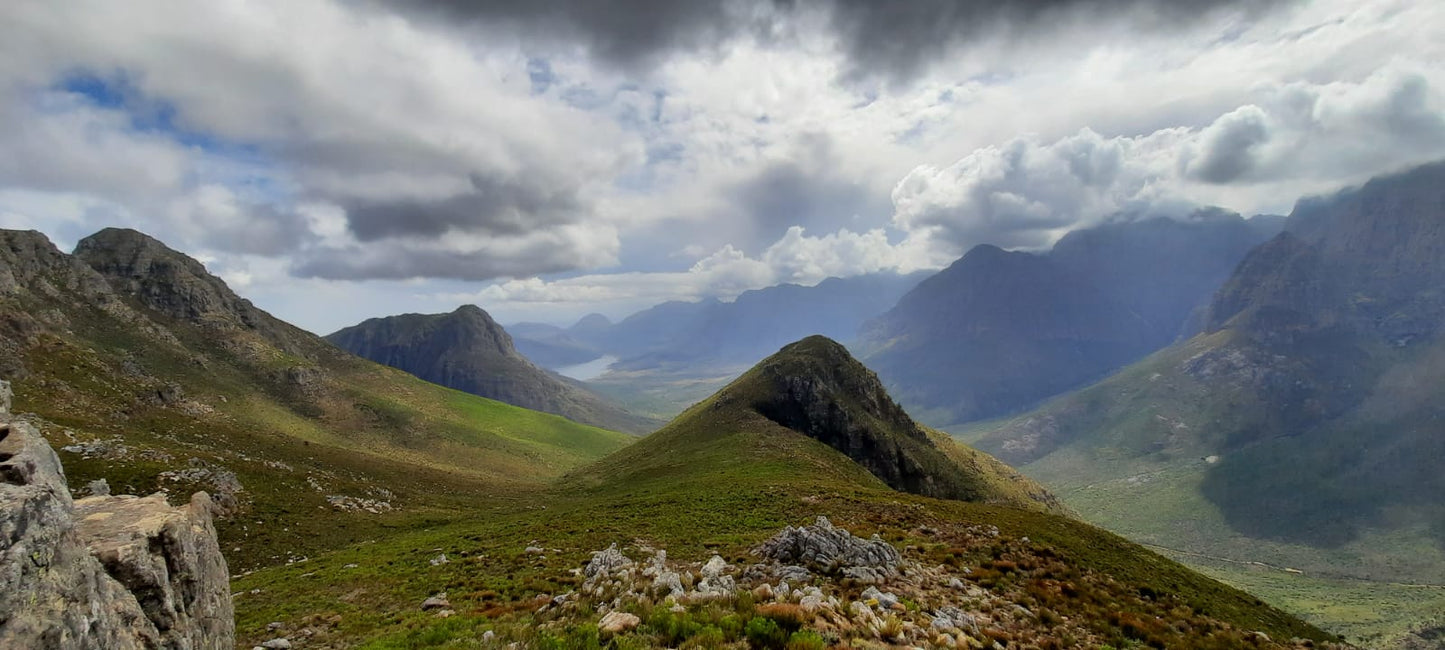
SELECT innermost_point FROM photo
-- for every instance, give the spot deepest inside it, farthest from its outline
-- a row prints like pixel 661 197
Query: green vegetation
pixel 353 491
pixel 720 479
pixel 468 351
pixel 1146 453
pixel 307 447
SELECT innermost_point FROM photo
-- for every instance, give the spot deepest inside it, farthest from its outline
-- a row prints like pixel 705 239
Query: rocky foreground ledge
pixel 114 572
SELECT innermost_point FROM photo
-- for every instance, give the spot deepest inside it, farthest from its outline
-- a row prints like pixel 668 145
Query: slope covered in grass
pixel 1303 429
pixel 147 371
pixel 720 479
pixel 470 352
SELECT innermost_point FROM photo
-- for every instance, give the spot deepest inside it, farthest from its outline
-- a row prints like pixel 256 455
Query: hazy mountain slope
pixel 672 355
pixel 147 371
pixel 550 346
pixel 748 328
pixel 1304 428
pixel 726 476
pixel 470 352
pixel 996 331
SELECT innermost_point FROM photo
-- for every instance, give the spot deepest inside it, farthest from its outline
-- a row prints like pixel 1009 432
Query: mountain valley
pixel 359 506
pixel 1301 429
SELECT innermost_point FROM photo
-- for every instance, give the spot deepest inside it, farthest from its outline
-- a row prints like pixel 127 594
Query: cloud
pixel 219 219
pixel 465 257
pixel 1023 193
pixel 901 40
pixel 375 144
pixel 796 257
pixel 492 205
pixel 896 41
pixel 1227 148
pixel 1299 138
pixel 412 134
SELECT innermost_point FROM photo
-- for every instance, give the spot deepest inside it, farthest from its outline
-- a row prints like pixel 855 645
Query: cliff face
pixel 113 572
pixel 470 352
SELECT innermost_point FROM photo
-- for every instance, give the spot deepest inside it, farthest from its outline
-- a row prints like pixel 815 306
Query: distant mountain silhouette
pixel 998 331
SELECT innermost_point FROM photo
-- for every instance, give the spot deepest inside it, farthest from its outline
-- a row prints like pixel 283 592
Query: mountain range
pixel 736 333
pixel 687 538
pixel 146 371
pixel 349 495
pixel 999 331
pixel 1301 428
pixel 1265 407
pixel 468 351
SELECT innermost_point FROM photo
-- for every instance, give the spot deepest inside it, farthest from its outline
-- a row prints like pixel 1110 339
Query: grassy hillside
pixel 174 383
pixel 1147 453
pixel 719 480
pixel 468 351
pixel 1302 430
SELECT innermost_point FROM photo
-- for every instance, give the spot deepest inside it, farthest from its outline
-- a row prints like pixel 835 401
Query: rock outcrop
pixel 827 549
pixel 114 572
pixel 816 388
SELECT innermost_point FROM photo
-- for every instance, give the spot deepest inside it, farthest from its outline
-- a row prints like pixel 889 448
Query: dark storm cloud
pixel 495 205
pixel 627 32
pixel 899 39
pixel 1228 150
pixel 391 261
pixel 882 38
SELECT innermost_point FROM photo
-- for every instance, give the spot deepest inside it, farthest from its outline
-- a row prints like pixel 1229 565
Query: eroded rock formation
pixel 114 572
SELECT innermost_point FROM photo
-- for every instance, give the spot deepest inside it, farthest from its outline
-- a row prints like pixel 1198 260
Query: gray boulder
pixel 105 572
pixel 715 583
pixel 827 549
pixel 98 488
pixel 605 565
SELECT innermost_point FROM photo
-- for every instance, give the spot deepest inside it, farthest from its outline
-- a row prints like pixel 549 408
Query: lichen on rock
pixel 825 548
pixel 115 572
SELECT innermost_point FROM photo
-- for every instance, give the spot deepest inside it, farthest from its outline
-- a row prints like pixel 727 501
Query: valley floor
pixel 1373 591
pixel 1369 613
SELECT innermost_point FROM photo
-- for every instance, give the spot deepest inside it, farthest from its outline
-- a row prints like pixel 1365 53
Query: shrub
pixel 708 638
pixel 765 633
pixel 787 615
pixel 731 626
pixel 806 640
pixel 672 628
pixel 890 627
pixel 583 637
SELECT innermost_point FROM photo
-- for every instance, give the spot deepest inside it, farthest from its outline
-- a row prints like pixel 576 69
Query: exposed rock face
pixel 829 549
pixel 1365 261
pixel 107 572
pixel 144 269
pixel 168 558
pixel 606 565
pixel 816 388
pixel 467 350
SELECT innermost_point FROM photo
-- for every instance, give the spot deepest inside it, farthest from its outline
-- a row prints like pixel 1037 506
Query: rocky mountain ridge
pixel 155 375
pixel 815 387
pixel 468 351
pixel 1302 425
pixel 814 390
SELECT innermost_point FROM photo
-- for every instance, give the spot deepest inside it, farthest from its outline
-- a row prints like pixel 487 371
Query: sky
pixel 335 160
